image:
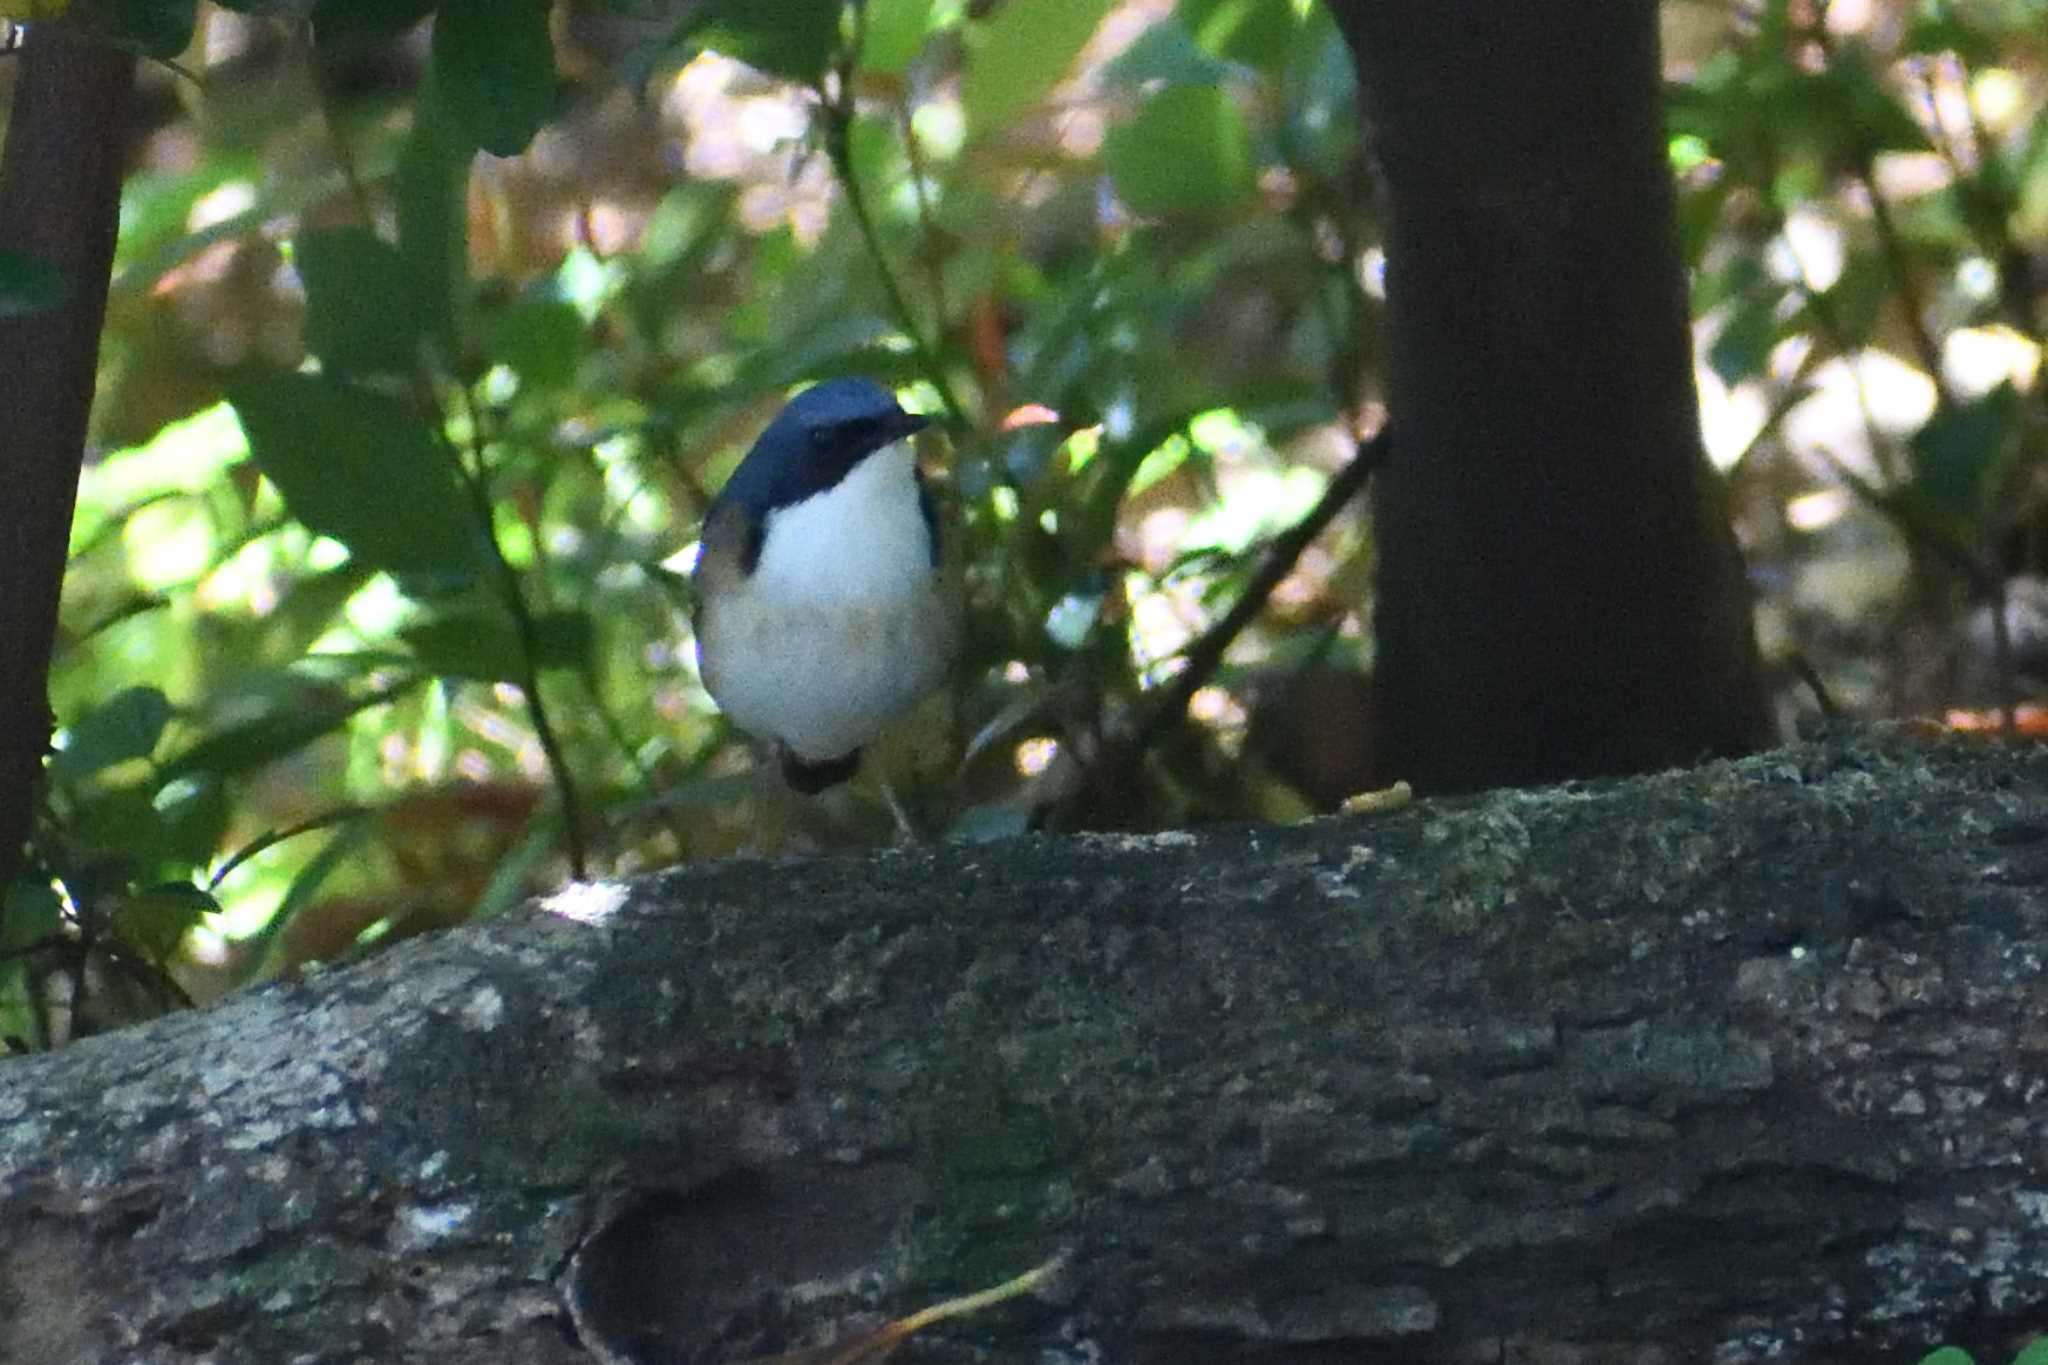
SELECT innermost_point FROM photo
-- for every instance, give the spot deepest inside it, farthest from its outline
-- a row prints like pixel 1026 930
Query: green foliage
pixel 1256 32
pixel 892 33
pixel 494 66
pixel 357 466
pixel 1017 55
pixel 1792 141
pixel 344 26
pixel 126 726
pixel 793 39
pixel 1961 457
pixel 363 314
pixel 540 340
pixel 155 28
pixel 1188 148
pixel 2034 1352
pixel 430 190
pixel 485 644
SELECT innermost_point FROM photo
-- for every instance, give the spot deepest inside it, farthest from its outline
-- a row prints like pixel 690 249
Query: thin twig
pixel 475 483
pixel 839 112
pixel 1981 580
pixel 1206 654
pixel 1892 243
pixel 274 837
pixel 927 224
pixel 1803 669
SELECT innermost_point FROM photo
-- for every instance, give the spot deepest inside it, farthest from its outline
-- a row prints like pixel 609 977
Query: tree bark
pixel 1559 595
pixel 60 203
pixel 1747 1061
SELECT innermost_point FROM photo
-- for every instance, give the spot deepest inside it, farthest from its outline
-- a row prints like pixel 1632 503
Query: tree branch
pixel 1202 658
pixel 1742 1063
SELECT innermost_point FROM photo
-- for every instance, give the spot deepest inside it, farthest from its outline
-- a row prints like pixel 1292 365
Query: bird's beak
pixel 911 422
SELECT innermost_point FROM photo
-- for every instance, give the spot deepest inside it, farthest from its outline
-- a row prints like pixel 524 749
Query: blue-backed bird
pixel 821 612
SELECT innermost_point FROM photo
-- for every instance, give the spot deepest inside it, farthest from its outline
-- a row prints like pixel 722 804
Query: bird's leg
pixel 906 832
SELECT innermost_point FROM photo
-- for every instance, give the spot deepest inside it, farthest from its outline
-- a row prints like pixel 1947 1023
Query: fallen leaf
pixel 881 1343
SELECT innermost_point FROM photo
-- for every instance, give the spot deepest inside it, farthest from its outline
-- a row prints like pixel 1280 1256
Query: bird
pixel 820 608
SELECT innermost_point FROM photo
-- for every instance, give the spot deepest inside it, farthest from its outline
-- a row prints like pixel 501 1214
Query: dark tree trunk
pixel 1559 595
pixel 60 203
pixel 1743 1064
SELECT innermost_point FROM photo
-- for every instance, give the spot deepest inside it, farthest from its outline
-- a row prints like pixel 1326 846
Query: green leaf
pixel 1960 458
pixel 332 857
pixel 155 28
pixel 794 39
pixel 127 725
pixel 192 816
pixel 1255 32
pixel 541 340
pixel 2034 1352
pixel 1858 296
pixel 28 285
pixel 484 644
pixel 34 912
pixel 1188 149
pixel 1939 30
pixel 1743 345
pixel 516 871
pixel 431 187
pixel 1843 105
pixel 308 610
pixel 893 33
pixel 355 465
pixel 155 922
pixel 1020 53
pixel 1948 1355
pixel 152 827
pixel 1166 54
pixel 295 724
pixel 495 66
pixel 363 314
pixel 345 27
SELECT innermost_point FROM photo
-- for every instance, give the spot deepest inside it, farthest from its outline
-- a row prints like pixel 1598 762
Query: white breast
pixel 863 538
pixel 842 626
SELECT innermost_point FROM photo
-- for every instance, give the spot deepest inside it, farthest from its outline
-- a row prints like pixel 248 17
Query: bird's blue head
pixel 814 442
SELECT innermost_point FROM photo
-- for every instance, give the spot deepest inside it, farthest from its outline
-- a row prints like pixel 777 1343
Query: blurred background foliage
pixel 376 616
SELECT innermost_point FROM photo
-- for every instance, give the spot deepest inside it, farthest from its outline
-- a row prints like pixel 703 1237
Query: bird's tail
pixel 810 777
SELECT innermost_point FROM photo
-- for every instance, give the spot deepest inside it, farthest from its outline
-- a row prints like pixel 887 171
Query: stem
pixel 474 482
pixel 838 109
pixel 1206 654
pixel 1910 303
pixel 273 837
pixel 1893 244
pixel 926 223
